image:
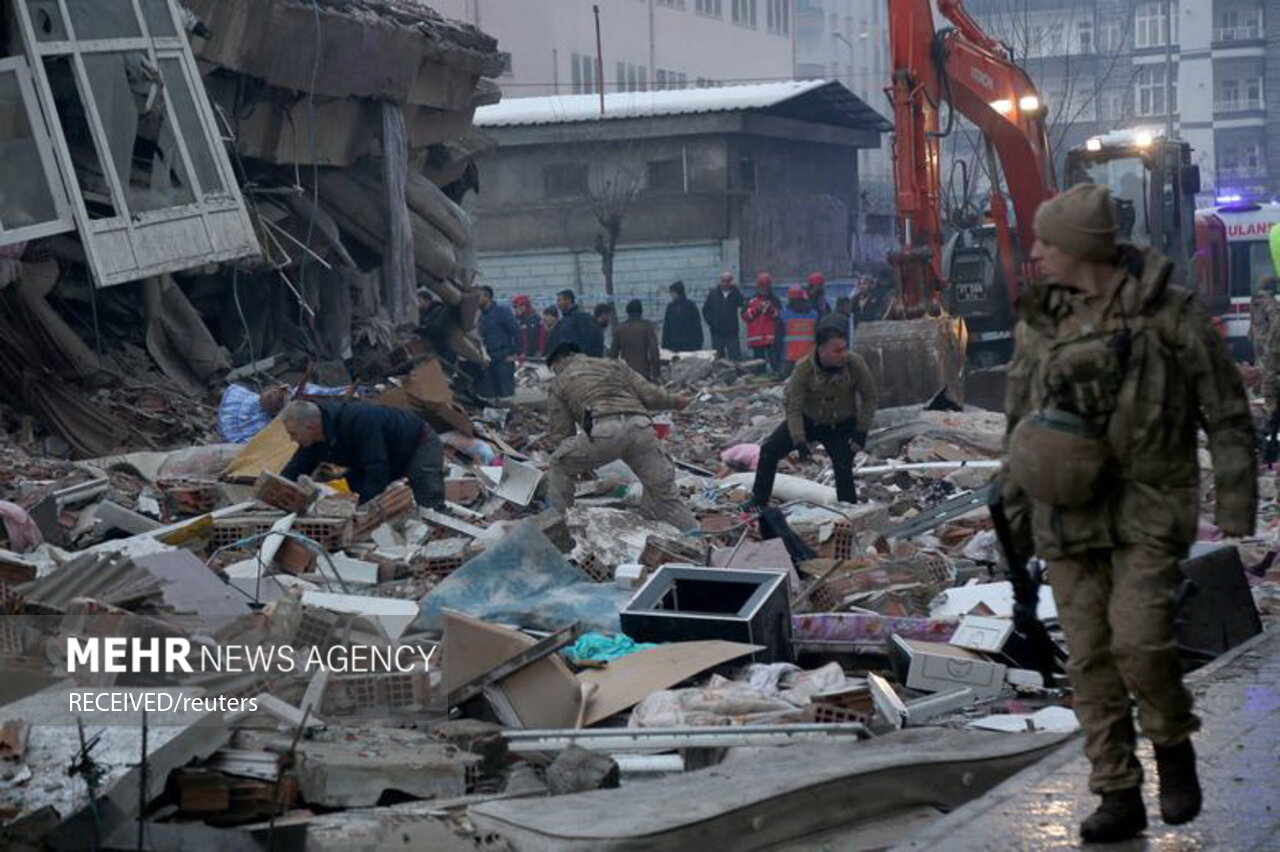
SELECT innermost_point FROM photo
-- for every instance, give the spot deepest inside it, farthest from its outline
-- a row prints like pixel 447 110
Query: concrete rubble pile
pixel 348 128
pixel 539 661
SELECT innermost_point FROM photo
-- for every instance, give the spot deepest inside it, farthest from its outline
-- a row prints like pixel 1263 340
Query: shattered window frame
pixel 128 243
pixel 62 220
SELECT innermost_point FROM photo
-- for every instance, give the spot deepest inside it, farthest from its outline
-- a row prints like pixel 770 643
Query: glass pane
pixel 90 174
pixel 159 21
pixel 97 19
pixel 184 110
pixel 46 20
pixel 140 133
pixel 25 197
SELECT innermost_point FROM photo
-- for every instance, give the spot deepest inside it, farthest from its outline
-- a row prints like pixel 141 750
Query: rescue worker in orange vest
pixel 799 326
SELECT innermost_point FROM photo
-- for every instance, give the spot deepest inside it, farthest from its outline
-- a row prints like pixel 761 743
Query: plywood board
pixel 544 694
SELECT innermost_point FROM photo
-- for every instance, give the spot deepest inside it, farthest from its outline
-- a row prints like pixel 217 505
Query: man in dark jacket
pixel 576 326
pixel 636 342
pixel 681 327
pixel 501 335
pixel 605 318
pixel 377 445
pixel 721 310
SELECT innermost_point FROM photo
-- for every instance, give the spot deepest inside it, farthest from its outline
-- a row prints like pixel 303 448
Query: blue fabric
pixel 597 646
pixel 240 414
pixel 523 580
pixel 499 331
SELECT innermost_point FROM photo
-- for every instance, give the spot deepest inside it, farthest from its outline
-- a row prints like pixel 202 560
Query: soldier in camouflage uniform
pixel 1262 318
pixel 1114 370
pixel 611 402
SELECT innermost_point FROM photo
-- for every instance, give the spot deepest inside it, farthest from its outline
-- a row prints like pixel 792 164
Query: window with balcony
pixel 1239 24
pixel 1149 24
pixel 1149 91
pixel 710 8
pixel 744 13
pixel 1239 95
pixel 778 16
pixel 1241 161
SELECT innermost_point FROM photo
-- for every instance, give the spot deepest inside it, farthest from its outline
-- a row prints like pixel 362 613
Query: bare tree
pixel 615 181
pixel 1072 86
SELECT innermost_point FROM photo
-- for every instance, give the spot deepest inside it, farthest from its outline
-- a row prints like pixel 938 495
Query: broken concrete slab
pixel 577 770
pixel 788 793
pixel 354 767
pixel 53 744
pixel 394 616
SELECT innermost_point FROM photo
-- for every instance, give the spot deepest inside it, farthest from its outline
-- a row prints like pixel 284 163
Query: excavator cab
pixel 1154 184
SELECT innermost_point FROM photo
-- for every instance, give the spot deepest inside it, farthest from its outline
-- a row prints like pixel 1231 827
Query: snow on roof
pixel 565 109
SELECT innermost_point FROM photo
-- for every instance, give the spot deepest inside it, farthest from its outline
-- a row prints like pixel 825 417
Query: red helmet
pixel 521 302
pixel 764 279
pixel 816 280
pixel 795 291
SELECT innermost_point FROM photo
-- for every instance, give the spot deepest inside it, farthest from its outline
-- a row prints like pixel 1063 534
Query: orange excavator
pixel 974 75
pixel 961 286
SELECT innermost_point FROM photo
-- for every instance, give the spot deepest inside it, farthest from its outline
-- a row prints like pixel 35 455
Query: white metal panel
pixel 62 218
pixel 136 244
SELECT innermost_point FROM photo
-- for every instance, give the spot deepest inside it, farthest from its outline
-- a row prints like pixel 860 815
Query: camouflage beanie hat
pixel 1080 222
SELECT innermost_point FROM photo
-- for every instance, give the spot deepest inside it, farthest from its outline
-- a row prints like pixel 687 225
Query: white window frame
pixel 1085 43
pixel 1150 80
pixel 215 227
pixel 778 16
pixel 1149 21
pixel 710 8
pixel 744 13
pixel 63 220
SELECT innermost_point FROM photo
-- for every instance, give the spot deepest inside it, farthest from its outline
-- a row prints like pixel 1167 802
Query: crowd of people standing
pixel 778 332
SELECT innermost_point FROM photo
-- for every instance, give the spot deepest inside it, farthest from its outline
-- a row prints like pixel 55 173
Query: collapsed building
pixel 216 200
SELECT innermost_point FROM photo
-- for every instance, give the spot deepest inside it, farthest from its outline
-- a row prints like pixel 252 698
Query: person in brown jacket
pixel 1114 374
pixel 636 342
pixel 831 398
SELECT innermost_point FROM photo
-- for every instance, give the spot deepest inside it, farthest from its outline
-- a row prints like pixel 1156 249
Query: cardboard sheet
pixel 269 450
pixel 544 694
pixel 629 680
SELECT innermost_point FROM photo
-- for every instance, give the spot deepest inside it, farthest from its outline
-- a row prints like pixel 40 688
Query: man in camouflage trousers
pixel 1262 319
pixel 1114 370
pixel 611 402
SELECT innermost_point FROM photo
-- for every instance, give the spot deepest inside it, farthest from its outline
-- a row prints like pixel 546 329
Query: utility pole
pixel 1168 69
pixel 595 8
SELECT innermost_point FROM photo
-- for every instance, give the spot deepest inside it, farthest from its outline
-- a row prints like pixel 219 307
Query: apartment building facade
pixel 1208 69
pixel 549 46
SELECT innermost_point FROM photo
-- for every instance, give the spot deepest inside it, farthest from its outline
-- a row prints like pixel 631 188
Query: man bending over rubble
pixel 376 444
pixel 611 402
pixel 1114 372
pixel 831 398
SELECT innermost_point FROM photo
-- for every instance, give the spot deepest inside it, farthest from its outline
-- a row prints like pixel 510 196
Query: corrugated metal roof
pixel 821 101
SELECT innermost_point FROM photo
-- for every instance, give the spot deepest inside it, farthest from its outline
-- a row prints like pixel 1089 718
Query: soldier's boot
pixel 1180 797
pixel 1120 816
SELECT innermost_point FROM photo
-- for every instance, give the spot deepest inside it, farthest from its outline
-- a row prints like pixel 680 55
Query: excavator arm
pixel 964 68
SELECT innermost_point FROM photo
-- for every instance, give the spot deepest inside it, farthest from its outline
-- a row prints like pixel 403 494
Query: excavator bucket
pixel 913 359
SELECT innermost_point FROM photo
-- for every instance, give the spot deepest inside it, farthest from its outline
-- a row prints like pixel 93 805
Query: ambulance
pixel 1232 254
